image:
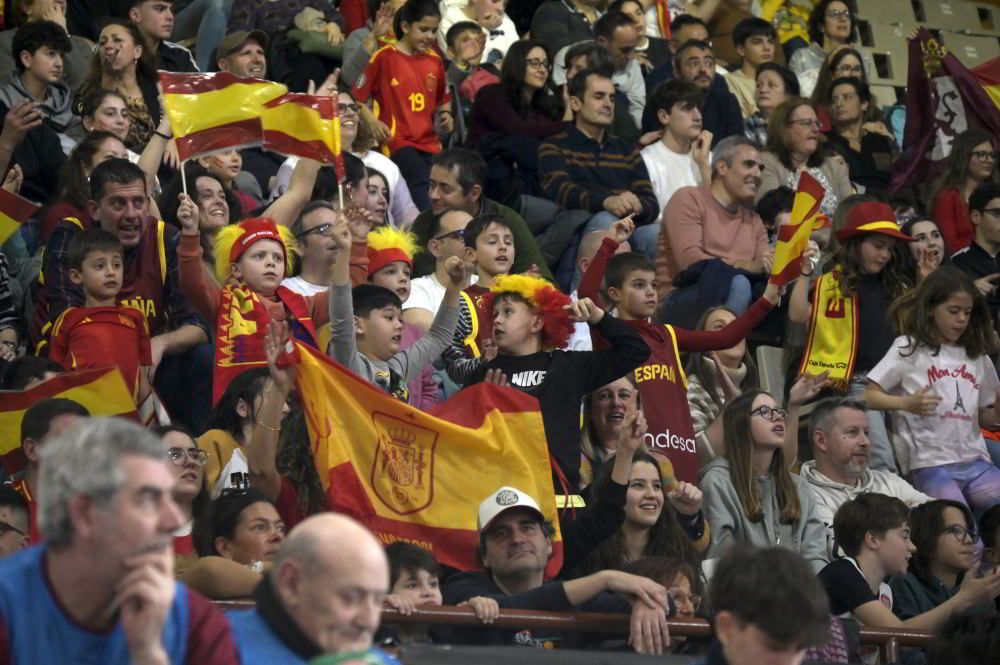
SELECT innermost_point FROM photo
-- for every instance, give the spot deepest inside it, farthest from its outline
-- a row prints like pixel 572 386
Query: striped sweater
pixel 579 173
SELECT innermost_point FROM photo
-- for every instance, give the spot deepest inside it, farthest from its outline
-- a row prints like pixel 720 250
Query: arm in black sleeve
pixel 592 526
pixel 693 525
pixel 549 597
pixel 626 351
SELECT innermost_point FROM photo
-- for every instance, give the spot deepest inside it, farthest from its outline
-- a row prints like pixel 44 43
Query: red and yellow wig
pixel 548 301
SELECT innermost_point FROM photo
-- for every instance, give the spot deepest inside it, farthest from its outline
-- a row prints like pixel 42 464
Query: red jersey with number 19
pixel 408 90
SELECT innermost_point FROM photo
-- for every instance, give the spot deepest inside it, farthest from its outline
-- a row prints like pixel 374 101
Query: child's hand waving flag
pixel 793 237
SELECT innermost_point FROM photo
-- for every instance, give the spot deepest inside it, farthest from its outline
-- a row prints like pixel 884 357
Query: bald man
pixel 323 595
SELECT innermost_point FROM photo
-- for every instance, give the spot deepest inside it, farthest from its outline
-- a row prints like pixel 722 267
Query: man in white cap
pixel 515 545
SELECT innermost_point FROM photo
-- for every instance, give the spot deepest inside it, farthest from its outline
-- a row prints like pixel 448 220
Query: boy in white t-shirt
pixel 681 157
pixel 873 531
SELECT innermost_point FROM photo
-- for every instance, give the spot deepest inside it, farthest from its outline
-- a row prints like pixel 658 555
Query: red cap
pixel 254 229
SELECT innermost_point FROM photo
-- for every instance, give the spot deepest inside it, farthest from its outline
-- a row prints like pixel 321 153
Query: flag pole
pixel 340 193
pixel 184 182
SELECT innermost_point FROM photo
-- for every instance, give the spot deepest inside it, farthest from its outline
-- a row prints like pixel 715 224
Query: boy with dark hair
pixel 102 332
pixel 489 244
pixel 465 42
pixel 756 41
pixel 631 285
pixel 367 328
pixel 38 49
pixel 775 209
pixel 680 157
pixel 768 606
pixel 532 322
pixel 873 532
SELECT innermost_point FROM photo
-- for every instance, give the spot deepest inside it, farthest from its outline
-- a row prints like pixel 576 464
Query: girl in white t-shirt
pixel 941 384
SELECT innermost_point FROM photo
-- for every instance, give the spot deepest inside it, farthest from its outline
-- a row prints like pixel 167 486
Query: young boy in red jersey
pixel 407 80
pixel 489 243
pixel 102 333
pixel 532 321
pixel 632 286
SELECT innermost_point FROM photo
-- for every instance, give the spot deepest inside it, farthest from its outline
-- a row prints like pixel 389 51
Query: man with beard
pixel 838 430
pixel 101 587
pixel 715 248
pixel 515 544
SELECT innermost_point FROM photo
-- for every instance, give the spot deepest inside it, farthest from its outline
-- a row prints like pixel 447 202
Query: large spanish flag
pixel 102 391
pixel 14 211
pixel 216 111
pixel 420 477
pixel 301 125
pixel 793 237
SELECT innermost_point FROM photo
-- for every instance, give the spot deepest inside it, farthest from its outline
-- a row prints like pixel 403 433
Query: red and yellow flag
pixel 793 237
pixel 301 125
pixel 420 477
pixel 988 74
pixel 14 211
pixel 216 111
pixel 102 391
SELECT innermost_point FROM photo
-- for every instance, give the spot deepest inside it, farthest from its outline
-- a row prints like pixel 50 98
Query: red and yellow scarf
pixel 833 332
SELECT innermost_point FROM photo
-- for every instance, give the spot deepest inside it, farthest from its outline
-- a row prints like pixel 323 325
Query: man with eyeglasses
pixel 980 259
pixel 101 587
pixel 427 292
pixel 313 232
pixel 14 523
pixel 838 431
pixel 48 418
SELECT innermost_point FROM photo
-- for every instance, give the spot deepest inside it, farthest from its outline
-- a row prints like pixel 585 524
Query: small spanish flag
pixel 14 211
pixel 418 477
pixel 216 111
pixel 301 125
pixel 793 237
pixel 102 391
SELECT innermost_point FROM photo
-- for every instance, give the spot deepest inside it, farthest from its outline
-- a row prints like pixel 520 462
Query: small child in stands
pixel 102 332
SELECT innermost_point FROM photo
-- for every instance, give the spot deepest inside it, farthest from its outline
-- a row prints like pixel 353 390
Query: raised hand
pixel 21 119
pixel 457 271
pixel 622 229
pixel 334 35
pixel 807 386
pixel 496 377
pixel 489 350
pixel 187 215
pixel 275 343
pixel 383 20
pixel 633 431
pixel 584 311
pixel 924 402
pixel 685 498
pixel 329 85
pixel 14 179
pixel 342 236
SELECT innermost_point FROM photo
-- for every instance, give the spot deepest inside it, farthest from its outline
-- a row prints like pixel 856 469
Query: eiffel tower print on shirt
pixel 959 404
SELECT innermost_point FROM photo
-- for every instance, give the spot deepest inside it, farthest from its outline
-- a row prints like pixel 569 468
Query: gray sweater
pixel 392 375
pixel 730 523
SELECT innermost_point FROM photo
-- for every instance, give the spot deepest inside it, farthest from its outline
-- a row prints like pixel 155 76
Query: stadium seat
pixel 886 11
pixel 989 19
pixel 971 50
pixel 890 67
pixel 885 38
pixel 886 95
pixel 953 15
pixel 771 368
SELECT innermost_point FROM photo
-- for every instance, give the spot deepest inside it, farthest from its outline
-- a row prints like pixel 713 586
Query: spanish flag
pixel 216 111
pixel 419 477
pixel 301 125
pixel 102 391
pixel 988 74
pixel 793 237
pixel 14 211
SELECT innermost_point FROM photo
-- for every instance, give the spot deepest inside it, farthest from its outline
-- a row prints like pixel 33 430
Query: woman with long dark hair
pixel 972 162
pixel 510 119
pixel 750 494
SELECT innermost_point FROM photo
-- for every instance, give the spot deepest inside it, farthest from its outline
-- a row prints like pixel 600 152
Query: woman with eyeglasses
pixel 187 463
pixel 948 548
pixel 972 162
pixel 793 146
pixel 750 494
pixel 868 147
pixel 843 62
pixel 510 119
pixel 832 24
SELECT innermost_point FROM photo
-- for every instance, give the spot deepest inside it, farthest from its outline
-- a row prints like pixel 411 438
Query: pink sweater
pixel 696 227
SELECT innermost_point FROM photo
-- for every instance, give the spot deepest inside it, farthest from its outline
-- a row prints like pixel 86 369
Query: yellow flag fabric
pixel 102 391
pixel 216 111
pixel 14 211
pixel 793 236
pixel 419 477
pixel 301 125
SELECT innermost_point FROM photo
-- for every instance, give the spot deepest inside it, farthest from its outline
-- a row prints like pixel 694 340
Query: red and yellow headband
pixel 386 245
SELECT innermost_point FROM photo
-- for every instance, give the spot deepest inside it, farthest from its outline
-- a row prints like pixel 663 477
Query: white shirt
pixel 427 293
pixel 580 339
pixel 302 287
pixel 952 434
pixel 669 171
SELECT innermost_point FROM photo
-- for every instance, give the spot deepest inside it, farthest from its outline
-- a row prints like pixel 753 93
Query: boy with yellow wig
pixel 532 321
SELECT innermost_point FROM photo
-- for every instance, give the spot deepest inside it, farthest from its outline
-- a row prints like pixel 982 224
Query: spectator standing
pixel 972 162
pixel 127 607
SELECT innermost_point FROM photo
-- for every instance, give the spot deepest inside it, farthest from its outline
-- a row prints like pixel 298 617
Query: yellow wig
pixel 228 237
pixel 387 244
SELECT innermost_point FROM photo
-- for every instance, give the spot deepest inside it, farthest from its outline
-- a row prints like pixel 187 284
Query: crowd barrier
pixel 888 640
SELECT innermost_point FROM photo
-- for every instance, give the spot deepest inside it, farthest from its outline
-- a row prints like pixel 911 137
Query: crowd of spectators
pixel 574 199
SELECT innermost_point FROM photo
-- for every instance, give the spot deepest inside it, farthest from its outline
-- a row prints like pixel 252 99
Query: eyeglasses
pixel 994 212
pixel 179 455
pixel 806 123
pixel 325 230
pixel 770 413
pixel 7 526
pixel 351 108
pixel 983 155
pixel 538 63
pixel 681 598
pixel 961 533
pixel 457 234
pixel 847 70
pixel 838 13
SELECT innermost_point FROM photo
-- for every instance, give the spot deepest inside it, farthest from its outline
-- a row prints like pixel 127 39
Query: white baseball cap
pixel 503 500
